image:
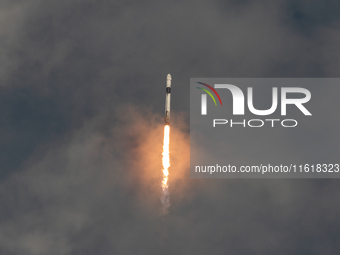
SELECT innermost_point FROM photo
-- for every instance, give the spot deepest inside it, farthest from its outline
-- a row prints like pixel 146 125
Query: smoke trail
pixel 165 198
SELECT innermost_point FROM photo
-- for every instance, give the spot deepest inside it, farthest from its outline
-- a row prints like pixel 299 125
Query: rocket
pixel 167 100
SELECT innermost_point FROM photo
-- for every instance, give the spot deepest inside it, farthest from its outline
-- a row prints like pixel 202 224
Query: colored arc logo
pixel 213 90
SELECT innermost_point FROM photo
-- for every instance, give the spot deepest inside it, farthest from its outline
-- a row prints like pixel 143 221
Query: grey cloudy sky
pixel 81 104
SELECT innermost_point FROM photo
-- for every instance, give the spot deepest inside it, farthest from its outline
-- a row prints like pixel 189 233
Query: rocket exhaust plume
pixel 166 164
pixel 165 198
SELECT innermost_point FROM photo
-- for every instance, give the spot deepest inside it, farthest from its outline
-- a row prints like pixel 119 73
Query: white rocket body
pixel 167 100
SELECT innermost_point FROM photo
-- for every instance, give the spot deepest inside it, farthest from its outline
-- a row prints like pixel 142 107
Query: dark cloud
pixel 306 16
pixel 82 85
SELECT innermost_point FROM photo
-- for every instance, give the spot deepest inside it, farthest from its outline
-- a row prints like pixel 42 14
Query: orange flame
pixel 166 165
pixel 166 156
